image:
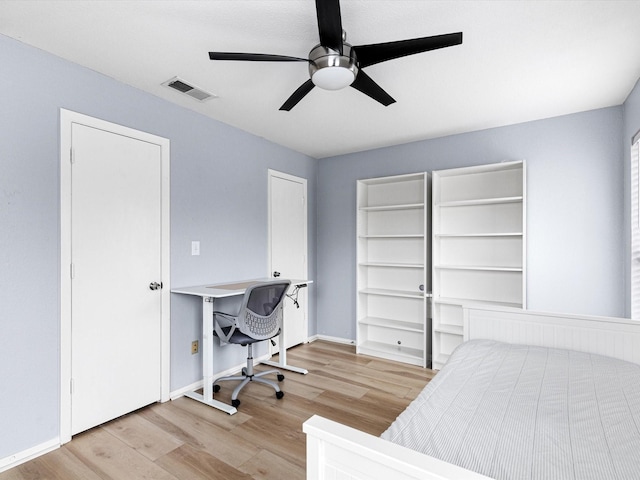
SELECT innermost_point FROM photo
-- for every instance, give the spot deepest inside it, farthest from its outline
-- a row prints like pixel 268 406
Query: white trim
pixel 271 174
pixel 67 119
pixel 328 338
pixel 187 389
pixel 28 454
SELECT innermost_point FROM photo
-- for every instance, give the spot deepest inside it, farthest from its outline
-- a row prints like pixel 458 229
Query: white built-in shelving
pixel 478 245
pixel 393 268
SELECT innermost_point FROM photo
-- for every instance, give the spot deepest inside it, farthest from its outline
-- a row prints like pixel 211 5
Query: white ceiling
pixel 519 61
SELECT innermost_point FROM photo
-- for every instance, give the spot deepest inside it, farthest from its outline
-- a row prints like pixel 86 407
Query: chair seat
pixel 242 339
pixel 238 337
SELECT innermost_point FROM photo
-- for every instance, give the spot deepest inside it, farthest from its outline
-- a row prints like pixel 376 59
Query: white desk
pixel 209 293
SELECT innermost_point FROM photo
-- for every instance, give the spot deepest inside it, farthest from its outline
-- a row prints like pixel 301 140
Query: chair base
pixel 248 375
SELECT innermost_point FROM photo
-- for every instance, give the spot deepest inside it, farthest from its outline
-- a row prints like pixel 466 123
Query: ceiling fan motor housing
pixel 331 70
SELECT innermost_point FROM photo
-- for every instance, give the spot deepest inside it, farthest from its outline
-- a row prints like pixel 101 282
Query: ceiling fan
pixel 335 64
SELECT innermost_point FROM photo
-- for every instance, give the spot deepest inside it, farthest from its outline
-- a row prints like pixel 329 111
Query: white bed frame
pixel 338 452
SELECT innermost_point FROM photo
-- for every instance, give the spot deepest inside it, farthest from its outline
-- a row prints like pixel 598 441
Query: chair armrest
pixel 229 321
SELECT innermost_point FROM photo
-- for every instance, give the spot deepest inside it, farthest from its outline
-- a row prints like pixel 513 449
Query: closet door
pixel 478 245
pixel 393 266
pixel 116 334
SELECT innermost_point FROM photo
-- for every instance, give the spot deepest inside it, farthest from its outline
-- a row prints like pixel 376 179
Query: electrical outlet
pixel 194 347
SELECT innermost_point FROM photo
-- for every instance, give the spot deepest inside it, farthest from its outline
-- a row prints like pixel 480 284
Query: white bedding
pixel 522 412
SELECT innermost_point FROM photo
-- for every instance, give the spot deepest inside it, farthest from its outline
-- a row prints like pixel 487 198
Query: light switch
pixel 195 248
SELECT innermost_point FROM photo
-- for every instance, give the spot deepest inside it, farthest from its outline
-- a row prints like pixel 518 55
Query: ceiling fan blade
pixel 381 52
pixel 298 95
pixel 254 57
pixel 329 24
pixel 366 85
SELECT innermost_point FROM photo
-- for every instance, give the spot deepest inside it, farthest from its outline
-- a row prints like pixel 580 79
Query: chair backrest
pixel 260 315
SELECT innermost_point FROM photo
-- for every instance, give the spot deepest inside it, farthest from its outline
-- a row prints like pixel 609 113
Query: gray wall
pixel 575 211
pixel 218 196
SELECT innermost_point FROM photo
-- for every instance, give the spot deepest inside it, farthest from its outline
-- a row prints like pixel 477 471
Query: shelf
pixel 399 235
pixel 392 260
pixel 386 208
pixel 449 329
pixel 461 301
pixel 478 227
pixel 393 293
pixel 480 201
pixel 393 324
pixel 479 268
pixel 476 235
pixel 394 180
pixel 391 351
pixel 396 265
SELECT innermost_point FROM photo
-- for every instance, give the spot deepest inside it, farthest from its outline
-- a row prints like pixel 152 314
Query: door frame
pixel 271 174
pixel 67 119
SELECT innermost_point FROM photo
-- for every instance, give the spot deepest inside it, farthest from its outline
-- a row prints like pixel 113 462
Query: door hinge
pixel 72 156
pixel 72 271
pixel 71 386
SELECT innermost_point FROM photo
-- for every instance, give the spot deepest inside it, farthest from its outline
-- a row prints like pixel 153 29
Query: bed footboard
pixel 338 452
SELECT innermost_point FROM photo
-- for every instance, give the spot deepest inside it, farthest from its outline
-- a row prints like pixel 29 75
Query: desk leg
pixel 282 357
pixel 282 365
pixel 207 361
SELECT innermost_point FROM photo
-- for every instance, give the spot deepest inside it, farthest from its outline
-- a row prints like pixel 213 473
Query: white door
pixel 116 187
pixel 288 246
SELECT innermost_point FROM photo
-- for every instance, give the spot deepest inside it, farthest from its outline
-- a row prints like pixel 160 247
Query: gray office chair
pixel 259 319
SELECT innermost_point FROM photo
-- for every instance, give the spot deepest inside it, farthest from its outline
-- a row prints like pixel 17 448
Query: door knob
pixel 155 285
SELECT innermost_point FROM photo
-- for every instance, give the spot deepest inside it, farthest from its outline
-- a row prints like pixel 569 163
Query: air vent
pixel 183 87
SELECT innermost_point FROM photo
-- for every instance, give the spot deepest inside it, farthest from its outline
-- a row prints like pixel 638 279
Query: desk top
pixel 220 290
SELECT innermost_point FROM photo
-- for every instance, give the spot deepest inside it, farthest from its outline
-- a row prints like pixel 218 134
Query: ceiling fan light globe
pixel 333 78
pixel 332 70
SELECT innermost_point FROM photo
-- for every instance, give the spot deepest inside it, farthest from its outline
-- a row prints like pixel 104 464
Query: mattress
pixel 522 412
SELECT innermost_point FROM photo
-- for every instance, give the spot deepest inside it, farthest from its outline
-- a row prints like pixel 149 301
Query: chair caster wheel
pixel 235 403
pixel 216 388
pixel 280 377
pixel 279 395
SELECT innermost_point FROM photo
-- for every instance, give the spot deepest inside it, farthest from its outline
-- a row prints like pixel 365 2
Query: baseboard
pixel 188 388
pixel 229 371
pixel 327 338
pixel 28 454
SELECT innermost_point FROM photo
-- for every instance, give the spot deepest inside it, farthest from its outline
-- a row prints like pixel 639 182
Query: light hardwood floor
pixel 184 439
